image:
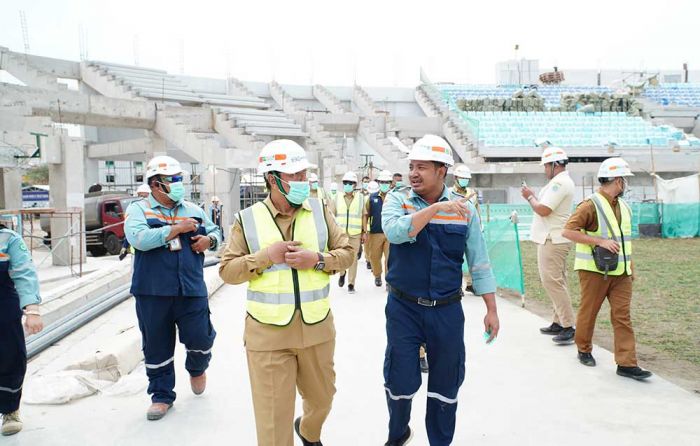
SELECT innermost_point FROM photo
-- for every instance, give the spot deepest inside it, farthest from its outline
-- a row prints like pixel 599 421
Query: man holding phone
pixel 170 236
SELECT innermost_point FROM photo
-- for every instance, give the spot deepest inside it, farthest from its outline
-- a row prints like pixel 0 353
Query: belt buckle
pixel 426 302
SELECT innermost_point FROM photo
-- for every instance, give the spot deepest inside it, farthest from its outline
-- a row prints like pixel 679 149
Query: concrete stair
pixel 382 145
pixel 328 99
pixel 19 66
pixel 364 102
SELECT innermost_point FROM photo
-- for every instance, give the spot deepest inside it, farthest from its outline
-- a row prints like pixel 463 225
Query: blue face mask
pixel 364 186
pixel 348 188
pixel 298 191
pixel 399 183
pixel 463 182
pixel 177 191
pixel 384 188
pixel 314 186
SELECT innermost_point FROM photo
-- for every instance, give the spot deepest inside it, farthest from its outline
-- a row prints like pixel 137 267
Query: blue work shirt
pixel 158 271
pixel 430 264
pixel 16 263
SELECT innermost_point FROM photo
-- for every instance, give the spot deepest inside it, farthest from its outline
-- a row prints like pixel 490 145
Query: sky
pixel 372 43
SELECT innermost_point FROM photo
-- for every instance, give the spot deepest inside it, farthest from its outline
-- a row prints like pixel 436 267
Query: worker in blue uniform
pixel 19 295
pixel 170 236
pixel 429 235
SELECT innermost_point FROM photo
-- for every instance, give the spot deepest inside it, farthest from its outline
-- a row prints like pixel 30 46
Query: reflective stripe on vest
pixel 584 253
pixel 350 218
pixel 274 295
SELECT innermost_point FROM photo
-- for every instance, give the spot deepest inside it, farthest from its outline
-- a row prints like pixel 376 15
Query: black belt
pixel 423 301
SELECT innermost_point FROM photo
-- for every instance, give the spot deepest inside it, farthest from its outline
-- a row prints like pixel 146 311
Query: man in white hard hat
pixel 551 211
pixel 216 213
pixel 316 190
pixel 348 210
pixel 461 188
pixel 285 247
pixel 333 191
pixel 601 227
pixel 429 235
pixel 376 245
pixel 170 236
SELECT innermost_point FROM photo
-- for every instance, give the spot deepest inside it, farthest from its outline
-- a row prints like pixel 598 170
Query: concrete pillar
pixel 67 193
pixel 225 184
pixel 10 189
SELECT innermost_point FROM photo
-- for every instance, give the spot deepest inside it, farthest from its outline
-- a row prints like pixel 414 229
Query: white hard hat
pixel 312 177
pixel 163 165
pixel 283 155
pixel 144 188
pixel 334 187
pixel 373 187
pixel 350 176
pixel 462 171
pixel 215 198
pixel 385 175
pixel 553 154
pixel 614 167
pixel 432 148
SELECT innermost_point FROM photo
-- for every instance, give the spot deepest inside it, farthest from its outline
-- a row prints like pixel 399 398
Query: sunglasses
pixel 172 179
pixel 348 183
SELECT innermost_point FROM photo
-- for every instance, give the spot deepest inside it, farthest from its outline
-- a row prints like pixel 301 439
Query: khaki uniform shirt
pixel 238 265
pixel 557 195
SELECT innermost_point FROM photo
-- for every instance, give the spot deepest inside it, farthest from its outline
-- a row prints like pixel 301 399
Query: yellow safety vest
pixel 608 229
pixel 350 218
pixel 274 296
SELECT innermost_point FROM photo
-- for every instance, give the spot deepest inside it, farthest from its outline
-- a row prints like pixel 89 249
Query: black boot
pixel 351 288
pixel 405 438
pixel 369 265
pixel 378 281
pixel 304 441
pixel 586 359
pixel 424 365
pixel 565 337
pixel 341 280
pixel 633 372
pixel 553 329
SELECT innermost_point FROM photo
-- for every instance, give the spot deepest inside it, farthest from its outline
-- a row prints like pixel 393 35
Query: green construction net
pixel 503 243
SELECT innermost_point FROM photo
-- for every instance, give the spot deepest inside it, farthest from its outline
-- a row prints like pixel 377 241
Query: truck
pixel 102 210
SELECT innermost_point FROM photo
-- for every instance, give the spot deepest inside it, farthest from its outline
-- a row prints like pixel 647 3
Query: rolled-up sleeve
pixel 483 279
pixel 395 223
pixel 23 273
pixel 139 234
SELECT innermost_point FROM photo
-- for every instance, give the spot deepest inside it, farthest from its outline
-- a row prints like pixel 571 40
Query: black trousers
pixel 13 356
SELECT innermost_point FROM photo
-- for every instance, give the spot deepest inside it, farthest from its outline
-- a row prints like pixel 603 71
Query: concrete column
pixel 67 193
pixel 10 189
pixel 225 184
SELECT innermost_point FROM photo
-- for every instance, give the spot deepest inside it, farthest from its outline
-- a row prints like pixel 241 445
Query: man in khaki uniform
pixel 605 221
pixel 348 210
pixel 289 332
pixel 376 244
pixel 460 189
pixel 552 210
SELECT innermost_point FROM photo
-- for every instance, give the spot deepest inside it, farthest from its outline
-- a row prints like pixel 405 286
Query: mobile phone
pixel 523 184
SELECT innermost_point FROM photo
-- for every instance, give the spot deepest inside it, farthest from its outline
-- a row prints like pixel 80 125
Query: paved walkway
pixel 522 390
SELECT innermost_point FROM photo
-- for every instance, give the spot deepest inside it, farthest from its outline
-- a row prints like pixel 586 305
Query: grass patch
pixel 665 303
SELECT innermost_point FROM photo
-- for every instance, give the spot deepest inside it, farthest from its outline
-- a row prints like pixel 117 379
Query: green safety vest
pixel 350 218
pixel 280 290
pixel 621 233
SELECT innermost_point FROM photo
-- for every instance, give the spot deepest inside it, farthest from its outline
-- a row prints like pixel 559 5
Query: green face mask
pixel 399 183
pixel 298 191
pixel 177 191
pixel 348 188
pixel 314 186
pixel 463 182
pixel 384 187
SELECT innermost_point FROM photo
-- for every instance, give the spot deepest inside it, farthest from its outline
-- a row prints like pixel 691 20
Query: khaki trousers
pixel 274 378
pixel 618 290
pixel 378 246
pixel 551 263
pixel 355 242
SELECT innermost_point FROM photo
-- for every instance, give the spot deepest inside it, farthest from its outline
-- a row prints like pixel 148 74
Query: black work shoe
pixel 405 438
pixel 369 265
pixel 586 359
pixel 469 289
pixel 633 372
pixel 378 281
pixel 351 288
pixel 341 280
pixel 424 364
pixel 565 337
pixel 304 441
pixel 553 329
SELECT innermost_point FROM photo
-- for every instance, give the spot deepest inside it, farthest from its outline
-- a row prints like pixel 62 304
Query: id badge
pixel 175 244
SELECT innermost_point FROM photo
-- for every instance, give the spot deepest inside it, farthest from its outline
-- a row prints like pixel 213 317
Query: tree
pixel 36 175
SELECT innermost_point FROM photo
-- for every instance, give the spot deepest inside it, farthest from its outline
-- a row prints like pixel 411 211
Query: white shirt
pixel 557 195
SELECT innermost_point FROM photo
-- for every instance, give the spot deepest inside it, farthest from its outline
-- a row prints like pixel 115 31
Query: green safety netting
pixel 503 244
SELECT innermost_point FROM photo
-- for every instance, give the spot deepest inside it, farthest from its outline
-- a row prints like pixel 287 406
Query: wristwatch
pixel 212 242
pixel 321 263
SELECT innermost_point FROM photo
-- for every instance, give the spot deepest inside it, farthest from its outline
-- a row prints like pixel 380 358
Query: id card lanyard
pixel 173 244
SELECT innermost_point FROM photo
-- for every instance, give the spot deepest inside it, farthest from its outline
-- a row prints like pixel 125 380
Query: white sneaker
pixel 11 424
